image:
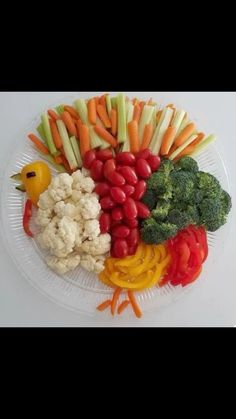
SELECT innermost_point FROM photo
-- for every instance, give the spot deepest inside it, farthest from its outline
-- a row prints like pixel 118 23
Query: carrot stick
pixel 71 111
pixel 104 305
pixel 53 115
pixel 133 135
pixel 123 306
pixel 115 300
pixel 135 101
pixel 102 101
pixel 84 139
pixel 147 136
pixel 78 124
pixel 66 164
pixel 38 144
pixel 97 100
pixel 114 122
pixel 199 138
pixel 171 105
pixel 132 299
pixel 69 123
pixel 92 112
pixel 55 134
pixel 149 102
pixel 137 113
pixel 102 132
pixel 142 104
pixel 58 159
pixel 185 134
pixel 167 140
pixel 159 113
pixel 102 113
pixel 186 152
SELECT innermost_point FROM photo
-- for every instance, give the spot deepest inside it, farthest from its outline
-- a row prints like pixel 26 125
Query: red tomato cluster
pixel 121 186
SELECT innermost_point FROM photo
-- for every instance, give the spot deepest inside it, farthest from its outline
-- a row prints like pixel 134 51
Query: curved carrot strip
pixel 38 144
pixel 136 308
pixel 115 300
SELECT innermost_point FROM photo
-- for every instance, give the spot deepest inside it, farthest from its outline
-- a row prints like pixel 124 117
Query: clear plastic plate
pixel 79 290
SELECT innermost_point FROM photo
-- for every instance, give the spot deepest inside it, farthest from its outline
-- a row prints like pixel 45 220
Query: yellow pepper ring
pixel 105 279
pixel 131 260
pixel 143 282
pixel 144 263
pixel 163 251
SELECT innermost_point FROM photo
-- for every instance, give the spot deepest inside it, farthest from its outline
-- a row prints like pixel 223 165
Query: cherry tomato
pixel 133 237
pixel 102 189
pixel 140 190
pixel 129 175
pixel 130 209
pixel 116 178
pixel 143 169
pixel 117 214
pixel 120 248
pixel 115 223
pixel 132 223
pixel 154 162
pixel 109 167
pixel 105 223
pixel 89 158
pixel 144 154
pixel 107 203
pixel 143 210
pixel 96 170
pixel 120 231
pixel 126 158
pixel 104 155
pixel 118 195
pixel 132 250
pixel 128 189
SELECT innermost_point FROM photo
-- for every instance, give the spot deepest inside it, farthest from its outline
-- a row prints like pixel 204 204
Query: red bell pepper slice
pixel 27 217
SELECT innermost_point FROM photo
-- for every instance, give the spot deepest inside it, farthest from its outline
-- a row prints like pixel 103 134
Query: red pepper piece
pixel 27 217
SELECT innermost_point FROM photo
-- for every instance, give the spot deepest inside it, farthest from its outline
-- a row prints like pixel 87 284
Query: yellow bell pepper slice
pixel 156 258
pixel 131 260
pixel 163 251
pixel 158 273
pixel 105 279
pixel 36 177
pixel 139 282
pixel 143 266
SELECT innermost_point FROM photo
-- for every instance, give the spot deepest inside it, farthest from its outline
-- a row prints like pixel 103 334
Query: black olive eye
pixel 30 174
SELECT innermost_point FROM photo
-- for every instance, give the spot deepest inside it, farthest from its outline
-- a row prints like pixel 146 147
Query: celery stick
pixel 203 144
pixel 154 117
pixel 129 117
pixel 145 119
pixel 161 129
pixel 94 138
pixel 122 129
pixel 182 147
pixel 59 109
pixel 51 160
pixel 108 102
pixel 76 150
pixel 82 110
pixel 114 102
pixel 67 145
pixel 41 132
pixel 184 124
pixel 48 134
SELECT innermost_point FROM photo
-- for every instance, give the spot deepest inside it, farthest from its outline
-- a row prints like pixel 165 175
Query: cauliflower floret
pixel 63 265
pixel 85 172
pixel 92 263
pixel 59 236
pixel 76 195
pixel 65 210
pixel 91 229
pixel 89 206
pixel 85 185
pixel 61 187
pixel 46 201
pixel 79 236
pixel 43 217
pixel 77 177
pixel 97 246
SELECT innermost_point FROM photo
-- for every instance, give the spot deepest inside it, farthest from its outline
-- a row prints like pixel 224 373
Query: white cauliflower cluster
pixel 68 217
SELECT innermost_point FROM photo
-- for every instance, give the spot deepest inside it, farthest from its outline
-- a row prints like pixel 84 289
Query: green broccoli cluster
pixel 180 195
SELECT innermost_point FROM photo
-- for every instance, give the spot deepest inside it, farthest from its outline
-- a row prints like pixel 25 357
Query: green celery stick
pixel 60 109
pixel 48 134
pixel 114 102
pixel 145 119
pixel 82 110
pixel 41 132
pixel 182 147
pixel 51 160
pixel 67 145
pixel 203 144
pixel 160 130
pixel 108 103
pixel 122 128
pixel 129 117
pixel 76 150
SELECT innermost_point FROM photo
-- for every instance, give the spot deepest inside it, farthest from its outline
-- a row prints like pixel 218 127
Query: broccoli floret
pixel 166 166
pixel 183 186
pixel 150 199
pixel 161 210
pixel 179 218
pixel 198 196
pixel 159 182
pixel 226 201
pixel 156 233
pixel 188 164
pixel 193 214
pixel 212 214
pixel 208 184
